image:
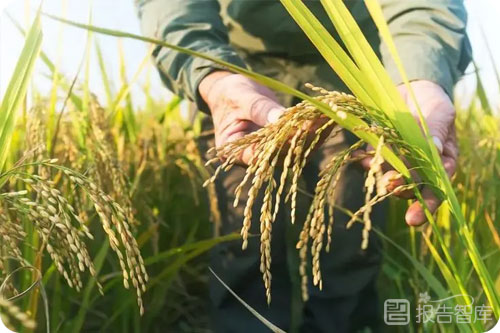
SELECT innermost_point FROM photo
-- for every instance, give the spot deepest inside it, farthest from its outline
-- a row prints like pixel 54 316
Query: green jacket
pixel 429 34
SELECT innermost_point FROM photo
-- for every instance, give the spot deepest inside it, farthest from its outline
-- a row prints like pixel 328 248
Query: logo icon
pixel 397 312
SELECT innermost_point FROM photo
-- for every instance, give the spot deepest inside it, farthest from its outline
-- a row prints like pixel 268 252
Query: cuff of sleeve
pixel 422 62
pixel 202 67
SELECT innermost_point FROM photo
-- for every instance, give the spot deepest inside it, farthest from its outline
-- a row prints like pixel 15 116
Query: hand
pixel 238 106
pixel 439 114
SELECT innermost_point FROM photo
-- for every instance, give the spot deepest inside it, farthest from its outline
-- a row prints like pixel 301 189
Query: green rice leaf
pixel 104 75
pixel 263 320
pixel 440 179
pixel 17 88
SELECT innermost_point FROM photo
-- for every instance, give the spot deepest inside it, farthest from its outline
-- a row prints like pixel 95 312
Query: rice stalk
pixel 62 230
pixel 108 172
pixel 287 145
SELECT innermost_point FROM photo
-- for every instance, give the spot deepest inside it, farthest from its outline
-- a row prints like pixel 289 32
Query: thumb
pixel 264 110
pixel 274 114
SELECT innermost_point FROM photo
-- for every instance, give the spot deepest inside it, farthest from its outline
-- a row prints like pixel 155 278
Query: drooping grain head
pixel 10 313
pixel 287 145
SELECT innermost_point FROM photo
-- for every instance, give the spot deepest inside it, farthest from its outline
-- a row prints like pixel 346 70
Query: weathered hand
pixel 238 106
pixel 439 113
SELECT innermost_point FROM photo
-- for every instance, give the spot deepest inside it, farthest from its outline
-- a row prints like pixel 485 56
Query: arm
pixel 192 24
pixel 237 104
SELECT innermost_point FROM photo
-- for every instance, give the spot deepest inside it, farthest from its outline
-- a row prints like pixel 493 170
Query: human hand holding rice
pixel 439 113
pixel 252 128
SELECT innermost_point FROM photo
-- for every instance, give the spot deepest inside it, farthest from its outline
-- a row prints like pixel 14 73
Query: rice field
pixel 108 210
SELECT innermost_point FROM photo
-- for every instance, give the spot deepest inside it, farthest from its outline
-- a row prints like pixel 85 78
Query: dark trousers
pixel 348 301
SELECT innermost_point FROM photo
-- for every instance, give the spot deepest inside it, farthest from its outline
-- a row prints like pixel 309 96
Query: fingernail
pixel 274 114
pixel 438 143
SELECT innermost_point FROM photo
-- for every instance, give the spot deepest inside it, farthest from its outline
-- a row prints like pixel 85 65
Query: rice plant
pixel 86 171
pixel 271 143
pixel 73 195
pixel 56 224
pixel 11 312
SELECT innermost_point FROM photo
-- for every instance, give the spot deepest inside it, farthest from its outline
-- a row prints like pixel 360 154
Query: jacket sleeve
pixel 430 36
pixel 192 24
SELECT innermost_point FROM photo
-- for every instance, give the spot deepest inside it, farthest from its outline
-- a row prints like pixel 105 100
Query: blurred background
pixel 136 144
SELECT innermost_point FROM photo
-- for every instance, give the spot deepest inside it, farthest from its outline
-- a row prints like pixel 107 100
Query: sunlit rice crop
pixel 286 146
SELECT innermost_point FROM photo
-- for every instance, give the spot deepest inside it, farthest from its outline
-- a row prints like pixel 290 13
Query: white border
pixel 495 329
pixel 4 329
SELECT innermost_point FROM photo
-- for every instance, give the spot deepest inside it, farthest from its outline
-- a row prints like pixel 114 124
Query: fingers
pixel 247 155
pixel 274 114
pixel 262 110
pixel 450 147
pixel 450 153
pixel 438 112
pixel 438 143
pixel 440 125
pixel 415 215
pixel 313 126
pixel 237 131
pixel 435 106
pixel 365 159
pixel 391 180
pixel 238 106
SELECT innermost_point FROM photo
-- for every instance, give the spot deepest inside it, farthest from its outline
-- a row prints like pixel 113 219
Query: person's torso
pixel 265 26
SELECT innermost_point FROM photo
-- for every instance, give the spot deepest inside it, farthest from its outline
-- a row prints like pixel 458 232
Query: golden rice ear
pixel 287 144
pixel 316 226
pixel 63 231
pixel 372 178
pixel 108 173
pixel 114 217
pixel 9 310
pixel 289 135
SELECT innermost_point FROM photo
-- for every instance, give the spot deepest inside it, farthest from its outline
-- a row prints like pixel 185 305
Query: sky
pixel 65 45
